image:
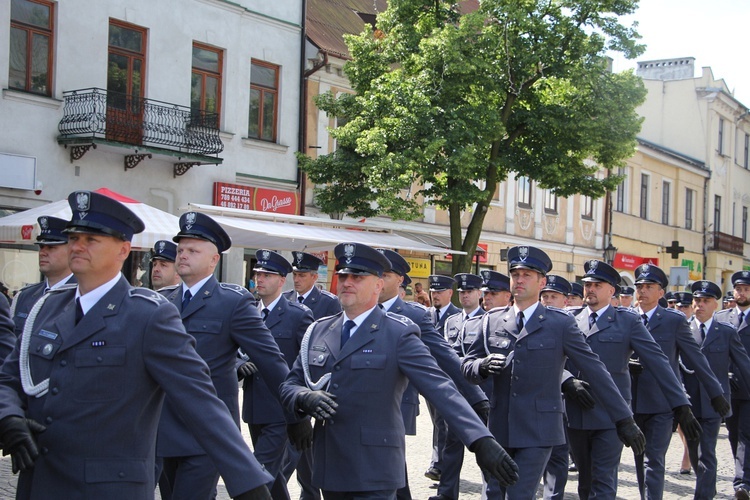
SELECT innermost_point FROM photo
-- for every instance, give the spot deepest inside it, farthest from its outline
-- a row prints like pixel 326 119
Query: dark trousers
pixel 360 495
pixel 439 433
pixel 556 473
pixel 703 458
pixel 269 446
pixel 302 463
pixel 597 456
pixel 738 430
pixel 531 463
pixel 649 467
pixel 450 465
pixel 191 478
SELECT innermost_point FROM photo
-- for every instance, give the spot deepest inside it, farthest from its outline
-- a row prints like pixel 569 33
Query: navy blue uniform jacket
pixel 321 302
pixel 730 316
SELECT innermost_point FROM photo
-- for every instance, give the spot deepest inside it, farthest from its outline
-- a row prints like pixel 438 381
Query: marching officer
pixel 626 296
pixel 738 424
pixel 721 345
pixel 555 292
pixel 221 317
pixel 79 416
pixel 53 264
pixel 469 293
pixel 163 269
pixel 305 273
pixel 351 374
pixel 684 303
pixel 614 333
pixel 653 413
pixel 575 297
pixel 495 290
pixel 260 409
pixel 524 349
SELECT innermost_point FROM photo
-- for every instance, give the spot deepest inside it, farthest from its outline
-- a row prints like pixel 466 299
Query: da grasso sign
pixel 252 198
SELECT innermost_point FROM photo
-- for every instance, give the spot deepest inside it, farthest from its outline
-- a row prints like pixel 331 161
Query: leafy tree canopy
pixel 448 104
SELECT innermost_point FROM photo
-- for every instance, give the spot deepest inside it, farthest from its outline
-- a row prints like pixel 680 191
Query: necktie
pixel 645 319
pixel 519 321
pixel 346 331
pixel 592 320
pixel 742 318
pixel 186 299
pixel 79 311
pixel 703 332
pixel 300 298
pixel 265 312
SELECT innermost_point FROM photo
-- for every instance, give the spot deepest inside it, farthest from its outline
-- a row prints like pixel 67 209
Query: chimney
pixel 680 68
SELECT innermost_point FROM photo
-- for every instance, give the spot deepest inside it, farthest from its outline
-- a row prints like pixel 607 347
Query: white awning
pixel 254 229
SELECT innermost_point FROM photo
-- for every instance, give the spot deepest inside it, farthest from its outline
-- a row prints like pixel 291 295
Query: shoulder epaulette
pixel 231 286
pixel 297 305
pixel 725 323
pixel 62 288
pixel 453 315
pixel 329 294
pixel 628 310
pixel 150 295
pixel 574 310
pixel 168 288
pixel 673 311
pixel 332 316
pixel 474 319
pixel 398 317
pixel 557 309
pixel 417 305
pixel 29 286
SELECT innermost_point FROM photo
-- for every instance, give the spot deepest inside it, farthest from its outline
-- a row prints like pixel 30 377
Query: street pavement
pixel 419 449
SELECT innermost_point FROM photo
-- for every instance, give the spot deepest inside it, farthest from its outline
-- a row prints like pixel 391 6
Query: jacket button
pixel 335 386
pixel 44 450
pixel 120 474
pixel 99 359
pixel 48 420
pixel 518 344
pixel 55 390
pixel 63 363
pixel 338 368
pixel 515 395
pixel 367 363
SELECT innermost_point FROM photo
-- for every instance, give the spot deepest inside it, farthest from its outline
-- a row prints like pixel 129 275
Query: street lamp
pixel 609 253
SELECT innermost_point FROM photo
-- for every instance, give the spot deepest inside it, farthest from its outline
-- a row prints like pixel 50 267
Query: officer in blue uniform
pixel 305 274
pixel 93 366
pixel 722 347
pixel 524 348
pixel 7 335
pixel 614 333
pixel 555 292
pixel 440 350
pixel 163 269
pixel 738 425
pixel 53 264
pixel 626 296
pixel 221 317
pixel 263 413
pixel 441 292
pixel 495 289
pixel 351 374
pixel 653 413
pixel 684 303
pixel 575 297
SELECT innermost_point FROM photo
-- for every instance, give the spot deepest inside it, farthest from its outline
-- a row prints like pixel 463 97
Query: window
pixel 717 213
pixel 31 46
pixel 665 202
pixel 721 136
pixel 644 196
pixel 550 202
pixel 746 156
pixel 205 85
pixel 689 210
pixel 587 207
pixel 620 193
pixel 264 97
pixel 744 224
pixel 524 192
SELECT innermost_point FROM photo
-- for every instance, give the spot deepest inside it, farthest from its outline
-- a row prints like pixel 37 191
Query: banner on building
pixel 420 268
pixel 627 261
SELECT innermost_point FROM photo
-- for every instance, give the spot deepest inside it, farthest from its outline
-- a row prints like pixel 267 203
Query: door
pixel 126 66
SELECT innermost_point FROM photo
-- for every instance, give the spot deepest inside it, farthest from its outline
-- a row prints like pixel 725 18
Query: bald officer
pixel 351 375
pixel 221 317
pixel 93 366
pixel 305 274
pixel 524 349
pixel 53 264
pixel 163 270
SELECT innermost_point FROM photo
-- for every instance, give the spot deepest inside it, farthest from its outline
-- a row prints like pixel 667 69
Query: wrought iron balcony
pixel 726 243
pixel 120 118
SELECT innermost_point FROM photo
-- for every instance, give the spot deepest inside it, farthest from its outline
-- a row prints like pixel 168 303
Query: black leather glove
pixel 300 434
pixel 734 382
pixel 17 436
pixel 631 435
pixel 635 367
pixel 492 364
pixel 318 404
pixel 259 493
pixel 578 391
pixel 246 369
pixel 495 461
pixel 482 409
pixel 691 428
pixel 721 405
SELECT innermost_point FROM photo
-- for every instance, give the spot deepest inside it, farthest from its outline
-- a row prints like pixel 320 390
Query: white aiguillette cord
pixel 27 382
pixel 325 380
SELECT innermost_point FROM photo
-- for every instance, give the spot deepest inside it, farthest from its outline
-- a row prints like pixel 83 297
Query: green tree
pixel 453 102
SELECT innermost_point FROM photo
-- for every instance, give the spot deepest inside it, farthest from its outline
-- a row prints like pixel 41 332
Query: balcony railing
pixel 727 243
pixel 112 116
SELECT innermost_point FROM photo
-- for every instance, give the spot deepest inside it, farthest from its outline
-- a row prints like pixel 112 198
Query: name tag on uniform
pixel 47 335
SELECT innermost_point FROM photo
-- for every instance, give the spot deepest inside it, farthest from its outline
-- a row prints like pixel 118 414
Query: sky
pixel 714 32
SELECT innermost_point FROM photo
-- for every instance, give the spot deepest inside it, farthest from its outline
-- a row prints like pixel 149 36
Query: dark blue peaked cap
pixel 576 289
pixel 96 213
pixel 649 273
pixel 398 263
pixel 164 250
pixel 557 284
pixel 406 282
pixel 271 262
pixel 51 231
pixel 706 288
pixel 684 298
pixel 438 282
pixel 741 278
pixel 357 258
pixel 598 271
pixel 306 262
pixel 526 257
pixel 468 281
pixel 670 297
pixel 627 291
pixel 495 281
pixel 200 226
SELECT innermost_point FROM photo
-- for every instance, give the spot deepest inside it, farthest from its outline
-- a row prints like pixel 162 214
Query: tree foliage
pixel 448 104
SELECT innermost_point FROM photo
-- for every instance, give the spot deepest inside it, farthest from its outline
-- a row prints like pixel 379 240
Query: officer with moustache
pixel 262 411
pixel 305 274
pixel 351 374
pixel 221 317
pixel 81 395
pixel 164 276
pixel 614 334
pixel 653 413
pixel 524 349
pixel 721 345
pixel 738 424
pixel 53 264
